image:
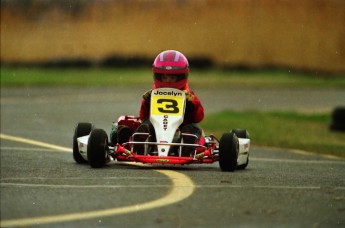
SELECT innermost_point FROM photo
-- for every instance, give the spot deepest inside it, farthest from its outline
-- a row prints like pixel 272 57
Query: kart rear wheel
pixel 81 129
pixel 240 133
pixel 228 152
pixel 97 148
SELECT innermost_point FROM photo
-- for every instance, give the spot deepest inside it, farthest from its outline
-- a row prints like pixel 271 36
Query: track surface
pixel 41 184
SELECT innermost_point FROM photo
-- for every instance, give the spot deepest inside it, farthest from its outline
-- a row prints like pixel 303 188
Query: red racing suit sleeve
pixel 194 112
pixel 144 110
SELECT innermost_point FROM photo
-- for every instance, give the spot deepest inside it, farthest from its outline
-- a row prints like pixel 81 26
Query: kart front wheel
pixel 81 129
pixel 228 152
pixel 97 148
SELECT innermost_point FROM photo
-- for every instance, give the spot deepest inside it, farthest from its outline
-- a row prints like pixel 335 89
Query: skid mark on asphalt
pixel 182 187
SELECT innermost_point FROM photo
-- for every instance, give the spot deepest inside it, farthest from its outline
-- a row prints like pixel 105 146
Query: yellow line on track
pixel 182 188
pixel 35 143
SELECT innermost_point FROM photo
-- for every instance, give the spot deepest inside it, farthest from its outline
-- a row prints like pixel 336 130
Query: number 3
pixel 170 106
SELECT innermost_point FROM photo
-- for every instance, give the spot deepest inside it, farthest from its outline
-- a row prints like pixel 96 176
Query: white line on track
pixel 168 186
pixel 182 187
pixel 269 187
pixel 59 186
pixel 82 178
pixel 306 153
pixel 298 161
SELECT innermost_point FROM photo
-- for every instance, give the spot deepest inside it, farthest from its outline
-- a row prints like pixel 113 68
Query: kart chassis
pixel 167 110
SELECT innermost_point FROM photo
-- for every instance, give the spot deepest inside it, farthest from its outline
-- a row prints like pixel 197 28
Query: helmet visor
pixel 170 78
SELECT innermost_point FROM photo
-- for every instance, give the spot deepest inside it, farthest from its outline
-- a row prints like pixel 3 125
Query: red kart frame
pixel 206 151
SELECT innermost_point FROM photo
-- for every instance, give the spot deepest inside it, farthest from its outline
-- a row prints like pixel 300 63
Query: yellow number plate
pixel 167 105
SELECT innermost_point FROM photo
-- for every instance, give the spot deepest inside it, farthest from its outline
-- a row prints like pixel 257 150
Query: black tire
pixel 97 148
pixel 228 152
pixel 240 133
pixel 338 115
pixel 338 119
pixel 81 129
pixel 338 127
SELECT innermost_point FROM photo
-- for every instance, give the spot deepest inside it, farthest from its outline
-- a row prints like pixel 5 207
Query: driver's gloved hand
pixel 189 96
pixel 147 95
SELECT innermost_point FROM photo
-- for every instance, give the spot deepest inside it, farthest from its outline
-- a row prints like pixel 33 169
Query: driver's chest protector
pixel 166 115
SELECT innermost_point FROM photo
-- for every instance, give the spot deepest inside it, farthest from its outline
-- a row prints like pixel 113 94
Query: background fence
pixel 303 35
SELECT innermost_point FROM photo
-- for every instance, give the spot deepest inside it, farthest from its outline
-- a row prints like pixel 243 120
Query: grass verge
pixel 203 79
pixel 308 132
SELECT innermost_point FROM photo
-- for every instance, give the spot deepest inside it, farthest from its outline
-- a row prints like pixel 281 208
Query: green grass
pixel 308 132
pixel 73 77
pixel 107 77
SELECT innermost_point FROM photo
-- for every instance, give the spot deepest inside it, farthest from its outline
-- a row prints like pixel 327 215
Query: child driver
pixel 170 69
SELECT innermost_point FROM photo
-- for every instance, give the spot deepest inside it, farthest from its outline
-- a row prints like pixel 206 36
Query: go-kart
pixel 166 146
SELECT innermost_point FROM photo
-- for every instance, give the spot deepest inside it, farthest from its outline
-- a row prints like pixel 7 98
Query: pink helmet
pixel 171 62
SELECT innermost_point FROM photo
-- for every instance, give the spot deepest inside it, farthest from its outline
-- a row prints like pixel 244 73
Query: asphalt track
pixel 41 185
